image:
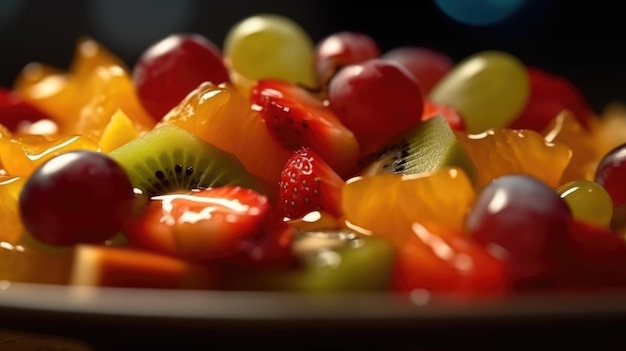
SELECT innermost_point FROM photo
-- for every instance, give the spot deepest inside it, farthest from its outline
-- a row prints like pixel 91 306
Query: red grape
pixel 377 100
pixel 342 49
pixel 76 197
pixel 611 172
pixel 168 70
pixel 427 65
pixel 527 219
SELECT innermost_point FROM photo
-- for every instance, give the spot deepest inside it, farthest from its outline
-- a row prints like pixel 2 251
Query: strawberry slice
pixel 297 118
pixel 307 184
pixel 201 224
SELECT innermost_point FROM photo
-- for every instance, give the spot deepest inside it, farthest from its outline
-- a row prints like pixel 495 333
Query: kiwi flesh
pixel 327 261
pixel 170 159
pixel 428 147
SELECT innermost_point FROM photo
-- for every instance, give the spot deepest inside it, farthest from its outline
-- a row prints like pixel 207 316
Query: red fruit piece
pixel 201 224
pixel 594 259
pixel 428 65
pixel 308 184
pixel 443 260
pixel 549 96
pixel 296 118
pixel 454 118
pixel 14 110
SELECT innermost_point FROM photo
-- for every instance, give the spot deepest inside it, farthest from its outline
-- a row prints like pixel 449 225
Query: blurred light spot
pixel 131 26
pixel 9 10
pixel 479 12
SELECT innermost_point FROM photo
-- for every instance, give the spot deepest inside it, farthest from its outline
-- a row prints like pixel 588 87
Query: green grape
pixel 271 46
pixel 489 89
pixel 588 200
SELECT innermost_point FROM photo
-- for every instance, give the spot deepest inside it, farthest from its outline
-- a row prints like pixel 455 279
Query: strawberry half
pixel 307 184
pixel 296 118
pixel 201 224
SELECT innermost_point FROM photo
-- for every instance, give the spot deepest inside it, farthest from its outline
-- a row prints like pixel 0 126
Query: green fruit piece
pixel 169 159
pixel 328 261
pixel 489 89
pixel 429 146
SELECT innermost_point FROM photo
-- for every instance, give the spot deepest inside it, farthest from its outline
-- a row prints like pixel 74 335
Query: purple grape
pixel 76 197
pixel 528 221
pixel 611 172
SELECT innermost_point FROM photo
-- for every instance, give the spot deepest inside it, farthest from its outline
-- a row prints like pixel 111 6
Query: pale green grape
pixel 588 200
pixel 271 46
pixel 489 88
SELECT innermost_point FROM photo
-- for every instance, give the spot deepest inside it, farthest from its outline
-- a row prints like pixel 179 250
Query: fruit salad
pixel 276 163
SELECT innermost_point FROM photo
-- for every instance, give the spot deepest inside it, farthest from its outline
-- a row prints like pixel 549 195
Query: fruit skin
pixel 528 221
pixel 341 49
pixel 14 110
pixel 76 197
pixel 127 267
pixel 309 184
pixel 172 67
pixel 296 119
pixel 428 65
pixel 201 224
pixel 377 100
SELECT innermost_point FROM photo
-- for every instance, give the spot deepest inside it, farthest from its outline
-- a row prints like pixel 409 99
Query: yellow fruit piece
pixel 388 204
pixel 565 129
pixel 118 131
pixel 220 115
pixel 83 100
pixel 21 156
pixel 497 152
pixel 28 264
pixel 10 222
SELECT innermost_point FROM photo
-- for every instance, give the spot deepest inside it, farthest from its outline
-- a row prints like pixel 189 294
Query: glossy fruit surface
pixel 270 46
pixel 489 88
pixel 172 67
pixel 296 119
pixel 499 152
pixel 200 224
pixel 15 111
pixel 610 174
pixel 76 197
pixel 588 200
pixel 308 184
pixel 341 49
pixel 527 220
pixel 427 65
pixel 377 100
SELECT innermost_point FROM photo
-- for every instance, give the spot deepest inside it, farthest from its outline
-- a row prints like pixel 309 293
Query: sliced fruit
pixel 428 147
pixel 201 224
pixel 433 109
pixel 20 156
pixel 23 263
pixel 10 221
pixel 498 152
pixel 327 262
pixel 387 205
pixel 444 261
pixel 296 118
pixel 117 132
pixel 221 116
pixel 169 159
pixel 124 267
pixel 14 111
pixel 308 184
pixel 567 130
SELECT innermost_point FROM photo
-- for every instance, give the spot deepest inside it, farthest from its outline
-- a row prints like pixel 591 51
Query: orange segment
pixel 389 204
pixel 10 222
pixel 497 152
pixel 220 115
pixel 20 156
pixel 565 129
pixel 83 100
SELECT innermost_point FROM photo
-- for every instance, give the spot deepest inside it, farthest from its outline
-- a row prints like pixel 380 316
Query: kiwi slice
pixel 328 261
pixel 170 159
pixel 429 146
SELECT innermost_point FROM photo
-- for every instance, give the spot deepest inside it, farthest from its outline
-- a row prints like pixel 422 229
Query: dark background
pixel 581 40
